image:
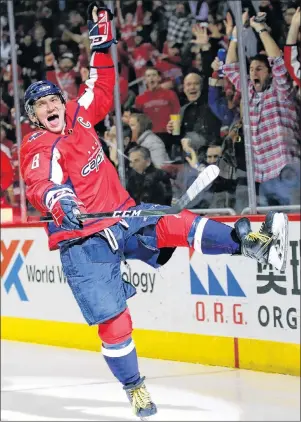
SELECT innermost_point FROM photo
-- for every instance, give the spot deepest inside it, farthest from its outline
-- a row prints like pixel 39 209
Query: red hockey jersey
pixel 76 158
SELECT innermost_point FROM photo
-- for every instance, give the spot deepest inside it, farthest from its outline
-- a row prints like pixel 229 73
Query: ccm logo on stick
pixel 127 213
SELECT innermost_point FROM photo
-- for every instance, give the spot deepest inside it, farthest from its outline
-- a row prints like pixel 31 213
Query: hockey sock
pixel 213 238
pixel 122 361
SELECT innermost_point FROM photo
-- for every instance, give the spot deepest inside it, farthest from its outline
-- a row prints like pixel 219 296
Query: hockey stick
pixel 205 178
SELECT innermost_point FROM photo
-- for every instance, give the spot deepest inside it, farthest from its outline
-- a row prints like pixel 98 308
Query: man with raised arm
pixel 67 174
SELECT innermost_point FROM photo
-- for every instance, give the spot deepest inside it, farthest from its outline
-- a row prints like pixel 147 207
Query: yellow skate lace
pixel 140 398
pixel 253 236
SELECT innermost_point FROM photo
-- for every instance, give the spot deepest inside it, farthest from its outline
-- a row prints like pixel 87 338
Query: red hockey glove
pixel 65 207
pixel 100 26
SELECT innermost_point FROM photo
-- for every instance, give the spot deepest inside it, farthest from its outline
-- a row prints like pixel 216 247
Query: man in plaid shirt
pixel 179 24
pixel 274 123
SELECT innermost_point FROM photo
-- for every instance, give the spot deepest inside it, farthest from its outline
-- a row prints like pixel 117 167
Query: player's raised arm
pixel 98 96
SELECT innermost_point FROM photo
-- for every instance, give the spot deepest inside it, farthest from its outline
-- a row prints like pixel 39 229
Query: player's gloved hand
pixel 100 26
pixel 65 207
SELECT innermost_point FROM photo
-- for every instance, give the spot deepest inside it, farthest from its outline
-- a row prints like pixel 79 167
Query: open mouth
pixel 257 83
pixel 53 120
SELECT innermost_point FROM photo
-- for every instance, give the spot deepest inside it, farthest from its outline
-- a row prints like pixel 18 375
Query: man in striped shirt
pixel 274 123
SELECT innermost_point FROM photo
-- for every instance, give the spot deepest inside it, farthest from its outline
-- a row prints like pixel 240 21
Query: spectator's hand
pixel 6 125
pixel 201 34
pixel 228 22
pixel 107 137
pixel 294 29
pixel 112 145
pixel 66 36
pixel 170 126
pixel 191 156
pixel 113 155
pixel 255 25
pixel 84 73
pixel 296 18
pixel 215 64
pixel 215 32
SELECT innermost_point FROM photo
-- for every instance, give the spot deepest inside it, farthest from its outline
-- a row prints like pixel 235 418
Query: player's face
pixel 50 112
pixel 259 74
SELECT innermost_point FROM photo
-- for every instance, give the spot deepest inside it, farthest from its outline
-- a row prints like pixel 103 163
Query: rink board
pixel 221 310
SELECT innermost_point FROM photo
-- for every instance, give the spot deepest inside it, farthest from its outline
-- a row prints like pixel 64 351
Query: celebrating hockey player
pixel 67 174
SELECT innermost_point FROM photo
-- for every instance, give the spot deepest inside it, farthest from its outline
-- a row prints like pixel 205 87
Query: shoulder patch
pixel 35 135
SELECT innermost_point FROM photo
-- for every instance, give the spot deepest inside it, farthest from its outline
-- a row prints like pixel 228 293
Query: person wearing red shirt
pixel 158 104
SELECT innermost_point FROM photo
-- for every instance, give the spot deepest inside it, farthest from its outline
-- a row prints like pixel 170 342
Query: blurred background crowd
pixel 180 92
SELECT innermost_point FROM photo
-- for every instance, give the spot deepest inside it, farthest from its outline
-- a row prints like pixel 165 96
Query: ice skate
pixel 140 399
pixel 270 244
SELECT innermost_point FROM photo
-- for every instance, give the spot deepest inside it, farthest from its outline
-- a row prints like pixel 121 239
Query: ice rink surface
pixel 43 383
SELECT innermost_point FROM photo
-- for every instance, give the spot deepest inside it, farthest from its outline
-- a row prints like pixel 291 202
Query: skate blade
pixel 278 251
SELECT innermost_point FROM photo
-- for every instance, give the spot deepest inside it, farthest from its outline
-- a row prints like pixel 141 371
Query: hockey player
pixel 66 174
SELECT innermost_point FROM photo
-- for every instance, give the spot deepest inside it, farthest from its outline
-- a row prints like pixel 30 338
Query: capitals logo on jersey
pixel 94 162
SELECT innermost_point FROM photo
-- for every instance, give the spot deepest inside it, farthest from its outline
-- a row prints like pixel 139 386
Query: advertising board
pixel 210 295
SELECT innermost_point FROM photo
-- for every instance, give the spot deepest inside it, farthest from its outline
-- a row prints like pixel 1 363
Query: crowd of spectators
pixel 180 90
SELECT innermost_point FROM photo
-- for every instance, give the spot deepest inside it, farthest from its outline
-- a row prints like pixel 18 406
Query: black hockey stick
pixel 205 178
